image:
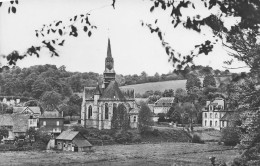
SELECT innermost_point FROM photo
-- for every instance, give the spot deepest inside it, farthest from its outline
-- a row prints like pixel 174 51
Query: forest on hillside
pixel 33 81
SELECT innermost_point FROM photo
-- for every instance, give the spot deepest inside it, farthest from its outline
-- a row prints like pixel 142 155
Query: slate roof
pixel 82 143
pixel 35 110
pixel 68 135
pixel 20 123
pixel 112 92
pixel 164 101
pixel 51 114
pixel 229 116
pixel 134 111
pixel 18 110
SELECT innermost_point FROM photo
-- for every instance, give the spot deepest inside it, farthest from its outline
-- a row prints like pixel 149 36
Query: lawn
pixel 161 86
pixel 139 154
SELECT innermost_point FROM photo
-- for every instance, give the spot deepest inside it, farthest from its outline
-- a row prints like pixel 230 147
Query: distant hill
pixel 161 86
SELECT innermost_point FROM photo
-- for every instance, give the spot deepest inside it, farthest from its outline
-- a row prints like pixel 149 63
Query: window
pixel 216 123
pixel 31 122
pixel 210 123
pixel 210 115
pixel 106 111
pixel 44 123
pixel 58 123
pixel 134 118
pixel 89 112
pixel 205 122
pixel 205 115
pixel 216 115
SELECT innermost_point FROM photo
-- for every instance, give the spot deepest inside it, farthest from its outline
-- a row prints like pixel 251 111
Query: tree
pixel 209 80
pixel 174 115
pixel 168 93
pixel 180 95
pixel 3 133
pixel 144 118
pixel 120 119
pixel 192 82
pixel 39 87
pixel 51 100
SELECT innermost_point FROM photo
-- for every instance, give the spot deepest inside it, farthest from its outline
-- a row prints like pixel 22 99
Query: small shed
pixel 72 141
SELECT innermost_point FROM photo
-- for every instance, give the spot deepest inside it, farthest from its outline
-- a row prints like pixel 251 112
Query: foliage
pixel 3 133
pixel 123 137
pixel 230 136
pixel 197 139
pixel 51 100
pixel 209 80
pixel 144 118
pixel 192 82
pixel 180 95
pixel 3 108
pixel 174 115
pixel 168 93
pixel 120 119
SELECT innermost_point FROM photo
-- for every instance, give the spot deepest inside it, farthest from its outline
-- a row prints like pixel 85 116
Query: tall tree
pixel 144 118
pixel 192 82
pixel 51 100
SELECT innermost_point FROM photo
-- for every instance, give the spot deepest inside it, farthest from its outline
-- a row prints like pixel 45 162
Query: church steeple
pixel 109 54
pixel 109 73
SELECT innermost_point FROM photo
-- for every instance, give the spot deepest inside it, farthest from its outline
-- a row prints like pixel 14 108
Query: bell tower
pixel 109 73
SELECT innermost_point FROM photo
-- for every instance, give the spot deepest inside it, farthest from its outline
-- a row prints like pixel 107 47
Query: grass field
pixel 122 155
pixel 161 86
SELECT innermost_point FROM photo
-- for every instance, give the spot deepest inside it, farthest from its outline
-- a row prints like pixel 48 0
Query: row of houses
pixel 24 118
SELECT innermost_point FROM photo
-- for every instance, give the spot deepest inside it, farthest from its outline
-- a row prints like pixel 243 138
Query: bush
pixel 106 137
pixel 123 137
pixel 197 139
pixel 156 132
pixel 66 121
pixel 230 136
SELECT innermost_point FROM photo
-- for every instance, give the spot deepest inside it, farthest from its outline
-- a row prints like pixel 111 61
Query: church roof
pixel 97 90
pixel 112 92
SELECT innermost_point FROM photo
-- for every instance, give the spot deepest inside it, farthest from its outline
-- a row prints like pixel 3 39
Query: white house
pixel 213 113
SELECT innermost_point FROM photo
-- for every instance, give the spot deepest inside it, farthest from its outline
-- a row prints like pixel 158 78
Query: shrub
pixel 106 137
pixel 156 132
pixel 123 137
pixel 66 121
pixel 230 136
pixel 197 139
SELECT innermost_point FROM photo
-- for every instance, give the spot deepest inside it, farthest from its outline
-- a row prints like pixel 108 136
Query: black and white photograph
pixel 130 82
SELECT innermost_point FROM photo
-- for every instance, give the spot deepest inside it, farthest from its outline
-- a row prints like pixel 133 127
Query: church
pixel 100 102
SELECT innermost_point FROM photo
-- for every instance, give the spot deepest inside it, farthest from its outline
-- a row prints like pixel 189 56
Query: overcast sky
pixel 134 48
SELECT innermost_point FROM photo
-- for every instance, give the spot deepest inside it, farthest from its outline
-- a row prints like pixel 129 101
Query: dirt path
pixel 124 155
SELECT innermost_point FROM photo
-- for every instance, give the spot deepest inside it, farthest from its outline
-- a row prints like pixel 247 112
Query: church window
pixel 134 118
pixel 106 111
pixel 89 112
pixel 210 115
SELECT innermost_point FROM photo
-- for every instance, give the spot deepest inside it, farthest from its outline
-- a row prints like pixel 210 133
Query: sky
pixel 134 48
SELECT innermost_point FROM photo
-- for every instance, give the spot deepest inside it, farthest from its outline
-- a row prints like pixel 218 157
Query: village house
pixel 72 141
pixel 99 103
pixel 17 124
pixel 34 111
pixel 51 122
pixel 163 105
pixel 213 114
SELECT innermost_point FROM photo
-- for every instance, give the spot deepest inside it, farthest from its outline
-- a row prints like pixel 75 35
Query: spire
pixel 109 54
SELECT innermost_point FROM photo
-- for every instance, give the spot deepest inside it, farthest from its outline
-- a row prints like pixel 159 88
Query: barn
pixel 72 141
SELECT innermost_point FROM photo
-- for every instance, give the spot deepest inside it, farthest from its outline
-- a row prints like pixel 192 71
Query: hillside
pixel 161 86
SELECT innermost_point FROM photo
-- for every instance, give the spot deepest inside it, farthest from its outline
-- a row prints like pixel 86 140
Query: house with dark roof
pixel 35 111
pixel 16 124
pixel 216 114
pixel 101 101
pixel 163 105
pixel 51 122
pixel 72 141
